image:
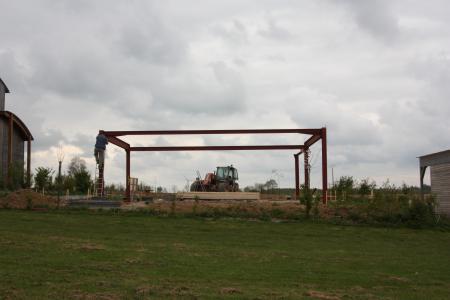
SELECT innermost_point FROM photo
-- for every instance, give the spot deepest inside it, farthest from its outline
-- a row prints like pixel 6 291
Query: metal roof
pixel 436 153
pixel 6 88
pixel 25 132
pixel 442 157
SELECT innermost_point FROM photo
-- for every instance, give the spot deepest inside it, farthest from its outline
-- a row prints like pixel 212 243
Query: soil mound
pixel 27 199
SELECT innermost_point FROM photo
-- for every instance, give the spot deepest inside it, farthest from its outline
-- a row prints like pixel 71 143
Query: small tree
pixel 82 181
pixel 307 200
pixel 365 187
pixel 270 185
pixel 249 189
pixel 68 183
pixel 43 178
pixel 345 185
pixel 79 174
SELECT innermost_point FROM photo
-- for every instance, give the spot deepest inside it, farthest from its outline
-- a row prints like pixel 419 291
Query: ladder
pixel 99 180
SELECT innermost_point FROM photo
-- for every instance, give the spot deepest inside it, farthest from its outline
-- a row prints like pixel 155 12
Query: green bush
pixel 43 178
pixel 307 199
pixel 390 206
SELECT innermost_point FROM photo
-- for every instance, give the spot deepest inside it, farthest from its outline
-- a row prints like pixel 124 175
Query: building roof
pixel 436 153
pixel 6 88
pixel 437 158
pixel 25 132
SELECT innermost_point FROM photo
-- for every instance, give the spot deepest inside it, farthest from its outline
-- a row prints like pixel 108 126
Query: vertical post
pixel 59 181
pixel 324 166
pixel 29 162
pixel 128 191
pixel 10 148
pixel 297 178
pixel 422 175
pixel 306 166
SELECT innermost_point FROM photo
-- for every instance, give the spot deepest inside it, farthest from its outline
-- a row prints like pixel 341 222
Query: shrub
pixel 43 178
pixel 307 198
pixel 277 213
pixel 345 184
pixel 365 187
pixel 78 176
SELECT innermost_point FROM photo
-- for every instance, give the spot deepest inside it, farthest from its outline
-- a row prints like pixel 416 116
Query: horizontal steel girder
pixel 233 131
pixel 218 148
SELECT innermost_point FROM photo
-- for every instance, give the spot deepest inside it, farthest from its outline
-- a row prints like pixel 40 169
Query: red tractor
pixel 222 180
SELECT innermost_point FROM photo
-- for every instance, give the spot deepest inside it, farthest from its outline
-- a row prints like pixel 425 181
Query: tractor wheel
pixel 196 187
pixel 222 187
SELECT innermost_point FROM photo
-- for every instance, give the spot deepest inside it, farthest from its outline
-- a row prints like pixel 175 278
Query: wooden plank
pixel 218 196
pixel 440 186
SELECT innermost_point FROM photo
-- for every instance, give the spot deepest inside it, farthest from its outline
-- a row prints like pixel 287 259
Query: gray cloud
pixel 221 91
pixel 76 68
pixel 152 42
pixel 376 18
pixel 275 31
pixel 235 31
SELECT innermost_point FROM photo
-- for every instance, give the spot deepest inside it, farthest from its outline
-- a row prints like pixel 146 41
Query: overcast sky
pixel 375 73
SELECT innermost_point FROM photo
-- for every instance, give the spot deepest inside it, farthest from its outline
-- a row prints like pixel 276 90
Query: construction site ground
pixel 271 206
pixel 70 254
pixel 237 208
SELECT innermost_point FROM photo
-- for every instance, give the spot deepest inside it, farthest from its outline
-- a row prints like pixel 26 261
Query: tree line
pixel 76 178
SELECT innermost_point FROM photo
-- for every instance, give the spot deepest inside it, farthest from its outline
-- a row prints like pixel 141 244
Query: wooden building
pixel 439 164
pixel 13 135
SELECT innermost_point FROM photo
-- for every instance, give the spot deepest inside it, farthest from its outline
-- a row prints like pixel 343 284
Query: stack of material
pixel 94 203
pixel 217 196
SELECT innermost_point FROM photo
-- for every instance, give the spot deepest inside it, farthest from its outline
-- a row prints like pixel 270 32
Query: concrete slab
pixel 217 196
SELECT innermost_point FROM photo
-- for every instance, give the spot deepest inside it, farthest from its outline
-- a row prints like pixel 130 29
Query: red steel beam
pixel 232 131
pixel 118 142
pixel 312 140
pixel 128 174
pixel 324 166
pixel 217 148
pixel 297 178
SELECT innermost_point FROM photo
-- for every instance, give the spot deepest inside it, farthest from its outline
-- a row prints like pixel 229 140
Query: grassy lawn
pixel 96 256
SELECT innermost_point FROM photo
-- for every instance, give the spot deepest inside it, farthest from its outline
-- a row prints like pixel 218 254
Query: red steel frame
pixel 316 135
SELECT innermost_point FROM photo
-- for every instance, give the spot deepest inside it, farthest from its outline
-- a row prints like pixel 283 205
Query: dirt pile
pixel 27 199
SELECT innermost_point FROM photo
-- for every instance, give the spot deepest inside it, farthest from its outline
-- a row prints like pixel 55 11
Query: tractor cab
pixel 227 173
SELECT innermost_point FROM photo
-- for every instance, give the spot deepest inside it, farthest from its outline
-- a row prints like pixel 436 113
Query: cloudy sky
pixel 375 73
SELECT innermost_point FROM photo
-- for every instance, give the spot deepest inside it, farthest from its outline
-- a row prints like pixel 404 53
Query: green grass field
pixel 82 255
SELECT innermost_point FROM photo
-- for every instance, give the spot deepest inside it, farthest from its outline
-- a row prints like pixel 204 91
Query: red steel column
pixel 324 166
pixel 29 162
pixel 127 191
pixel 306 162
pixel 297 178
